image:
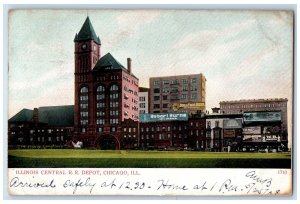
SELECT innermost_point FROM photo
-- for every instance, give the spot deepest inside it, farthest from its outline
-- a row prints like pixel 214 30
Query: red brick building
pixel 173 134
pixel 106 93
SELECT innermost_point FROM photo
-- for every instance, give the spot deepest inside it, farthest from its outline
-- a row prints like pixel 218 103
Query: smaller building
pixel 143 100
pixel 223 132
pixel 163 130
pixel 50 126
pixel 262 131
pixel 259 105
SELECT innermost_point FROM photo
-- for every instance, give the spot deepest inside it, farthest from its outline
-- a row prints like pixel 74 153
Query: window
pixel 100 88
pixel 185 81
pixel 183 96
pixel 142 111
pixel 142 105
pixel 156 83
pixel 185 88
pixel 194 96
pixel 114 96
pixel 82 129
pixel 165 97
pixel 165 90
pixel 193 80
pixel 100 105
pixel 114 88
pixel 100 121
pixel 217 123
pixel 175 81
pixel 165 81
pixel 84 114
pixel 142 98
pixel 100 113
pixel 114 104
pixel 83 122
pixel 208 124
pixel 84 90
pixel 156 106
pixel 165 105
pixel 156 98
pixel 193 88
pixel 83 105
pixel 156 90
pixel 174 90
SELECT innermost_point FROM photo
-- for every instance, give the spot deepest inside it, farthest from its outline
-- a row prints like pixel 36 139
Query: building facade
pixel 222 131
pixel 241 106
pixel 43 127
pixel 262 131
pixel 172 131
pixel 178 93
pixel 106 93
pixel 143 100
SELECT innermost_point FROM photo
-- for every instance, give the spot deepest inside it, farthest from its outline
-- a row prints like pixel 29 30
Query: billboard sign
pixel 271 138
pixel 159 117
pixel 232 123
pixel 252 138
pixel 252 130
pixel 271 130
pixel 262 116
pixel 190 105
pixel 229 134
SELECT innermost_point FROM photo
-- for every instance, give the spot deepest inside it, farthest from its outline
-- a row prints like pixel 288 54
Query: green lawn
pixel 58 158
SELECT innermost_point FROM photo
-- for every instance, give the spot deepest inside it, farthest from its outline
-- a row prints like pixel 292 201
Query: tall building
pixel 258 105
pixel 106 93
pixel 143 100
pixel 177 93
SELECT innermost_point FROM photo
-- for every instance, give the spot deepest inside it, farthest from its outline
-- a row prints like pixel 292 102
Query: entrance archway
pixel 107 142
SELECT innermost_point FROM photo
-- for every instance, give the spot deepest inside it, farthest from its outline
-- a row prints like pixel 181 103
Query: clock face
pixel 83 46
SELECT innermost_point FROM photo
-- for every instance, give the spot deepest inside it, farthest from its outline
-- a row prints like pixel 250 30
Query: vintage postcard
pixel 150 102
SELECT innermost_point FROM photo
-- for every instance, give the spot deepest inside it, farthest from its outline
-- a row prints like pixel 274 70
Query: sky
pixel 242 54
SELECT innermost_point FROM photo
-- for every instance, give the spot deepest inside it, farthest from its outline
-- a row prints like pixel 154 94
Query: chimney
pixel 129 65
pixel 35 117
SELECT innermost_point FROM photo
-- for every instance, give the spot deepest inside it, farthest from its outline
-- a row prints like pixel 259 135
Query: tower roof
pixel 108 61
pixel 87 32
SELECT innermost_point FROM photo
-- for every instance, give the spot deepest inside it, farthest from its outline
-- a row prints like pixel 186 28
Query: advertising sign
pixel 155 117
pixel 190 105
pixel 252 130
pixel 229 133
pixel 271 138
pixel 262 116
pixel 232 123
pixel 252 138
pixel 271 130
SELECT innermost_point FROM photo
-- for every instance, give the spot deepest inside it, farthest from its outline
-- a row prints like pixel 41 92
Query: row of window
pixel 175 89
pixel 163 136
pixel 264 105
pixel 163 128
pixel 176 81
pixel 99 89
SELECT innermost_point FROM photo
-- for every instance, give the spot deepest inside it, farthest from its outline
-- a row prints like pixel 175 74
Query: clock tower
pixel 87 54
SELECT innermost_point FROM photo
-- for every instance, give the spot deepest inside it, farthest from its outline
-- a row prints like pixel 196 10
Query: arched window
pixel 100 88
pixel 114 88
pixel 84 90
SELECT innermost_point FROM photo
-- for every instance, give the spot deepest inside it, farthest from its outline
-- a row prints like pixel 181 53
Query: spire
pixel 87 32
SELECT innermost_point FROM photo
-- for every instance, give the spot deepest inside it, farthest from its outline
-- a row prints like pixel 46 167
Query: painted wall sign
pixel 262 116
pixel 155 117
